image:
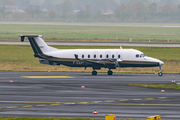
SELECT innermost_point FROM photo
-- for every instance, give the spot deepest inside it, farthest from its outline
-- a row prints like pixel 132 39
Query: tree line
pixel 139 12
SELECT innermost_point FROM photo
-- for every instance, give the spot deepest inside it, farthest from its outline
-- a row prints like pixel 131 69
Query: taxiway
pixel 59 94
pixel 96 44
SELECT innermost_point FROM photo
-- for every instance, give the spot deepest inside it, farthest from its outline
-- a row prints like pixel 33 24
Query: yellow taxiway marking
pixel 138 104
pixel 27 106
pixel 136 99
pixel 83 102
pixel 25 102
pixel 96 101
pixel 149 98
pixel 109 101
pixel 41 105
pixel 47 76
pixel 12 107
pixel 54 104
pixel 69 103
pixel 162 97
pixel 124 100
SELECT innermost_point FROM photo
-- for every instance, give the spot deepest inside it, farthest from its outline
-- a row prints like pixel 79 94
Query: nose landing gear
pixel 160 71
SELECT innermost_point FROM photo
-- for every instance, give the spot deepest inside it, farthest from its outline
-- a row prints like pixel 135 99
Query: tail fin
pixel 41 49
pixel 37 43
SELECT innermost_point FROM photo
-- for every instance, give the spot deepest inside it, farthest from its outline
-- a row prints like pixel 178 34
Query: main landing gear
pixel 94 72
pixel 160 71
pixel 109 72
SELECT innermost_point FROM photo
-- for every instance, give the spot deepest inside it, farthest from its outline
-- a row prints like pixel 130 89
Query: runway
pixel 59 94
pixel 97 44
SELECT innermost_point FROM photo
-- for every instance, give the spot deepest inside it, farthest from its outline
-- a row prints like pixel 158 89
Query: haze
pixel 116 11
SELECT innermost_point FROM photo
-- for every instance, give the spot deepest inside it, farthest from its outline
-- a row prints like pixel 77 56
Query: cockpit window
pixel 137 55
pixel 140 55
pixel 143 55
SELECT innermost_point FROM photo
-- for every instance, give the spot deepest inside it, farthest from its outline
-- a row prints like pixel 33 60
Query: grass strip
pixel 33 118
pixel 162 86
pixel 21 58
pixel 88 33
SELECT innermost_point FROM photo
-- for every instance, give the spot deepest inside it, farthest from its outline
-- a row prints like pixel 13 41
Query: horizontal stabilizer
pixel 29 36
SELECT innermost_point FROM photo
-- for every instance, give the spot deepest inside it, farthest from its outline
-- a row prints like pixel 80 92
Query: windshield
pixel 143 55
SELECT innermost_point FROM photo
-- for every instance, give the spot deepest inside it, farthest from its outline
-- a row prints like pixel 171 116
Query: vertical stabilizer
pixel 37 43
pixel 41 44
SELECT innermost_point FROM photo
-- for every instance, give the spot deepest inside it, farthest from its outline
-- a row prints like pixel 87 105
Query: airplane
pixel 94 58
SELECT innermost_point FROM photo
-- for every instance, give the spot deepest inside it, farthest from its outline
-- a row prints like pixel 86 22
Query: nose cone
pixel 154 60
pixel 161 63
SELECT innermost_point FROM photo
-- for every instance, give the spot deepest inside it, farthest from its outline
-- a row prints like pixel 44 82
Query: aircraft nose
pixel 161 63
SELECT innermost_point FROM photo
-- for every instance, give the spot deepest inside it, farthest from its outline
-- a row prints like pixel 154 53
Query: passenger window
pixel 82 56
pixel 119 56
pixel 88 56
pixel 107 56
pixel 100 56
pixel 94 56
pixel 112 56
pixel 137 55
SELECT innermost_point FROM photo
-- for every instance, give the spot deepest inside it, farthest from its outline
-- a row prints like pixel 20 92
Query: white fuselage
pixel 122 55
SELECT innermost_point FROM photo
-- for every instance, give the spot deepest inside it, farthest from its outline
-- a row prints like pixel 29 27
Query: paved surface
pixel 95 24
pixel 44 95
pixel 96 44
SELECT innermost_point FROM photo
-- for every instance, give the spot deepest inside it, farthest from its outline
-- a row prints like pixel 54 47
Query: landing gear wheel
pixel 110 72
pixel 160 73
pixel 94 72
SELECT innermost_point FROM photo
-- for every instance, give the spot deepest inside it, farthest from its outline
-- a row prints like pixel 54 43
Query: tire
pixel 160 74
pixel 110 72
pixel 94 73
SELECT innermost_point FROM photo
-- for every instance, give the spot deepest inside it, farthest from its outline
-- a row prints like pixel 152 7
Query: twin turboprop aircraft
pixel 94 58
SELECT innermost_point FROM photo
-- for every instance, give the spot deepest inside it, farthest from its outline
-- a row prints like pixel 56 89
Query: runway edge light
pixel 11 81
pixel 173 81
pixel 162 91
pixel 95 112
pixel 110 117
pixel 156 117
